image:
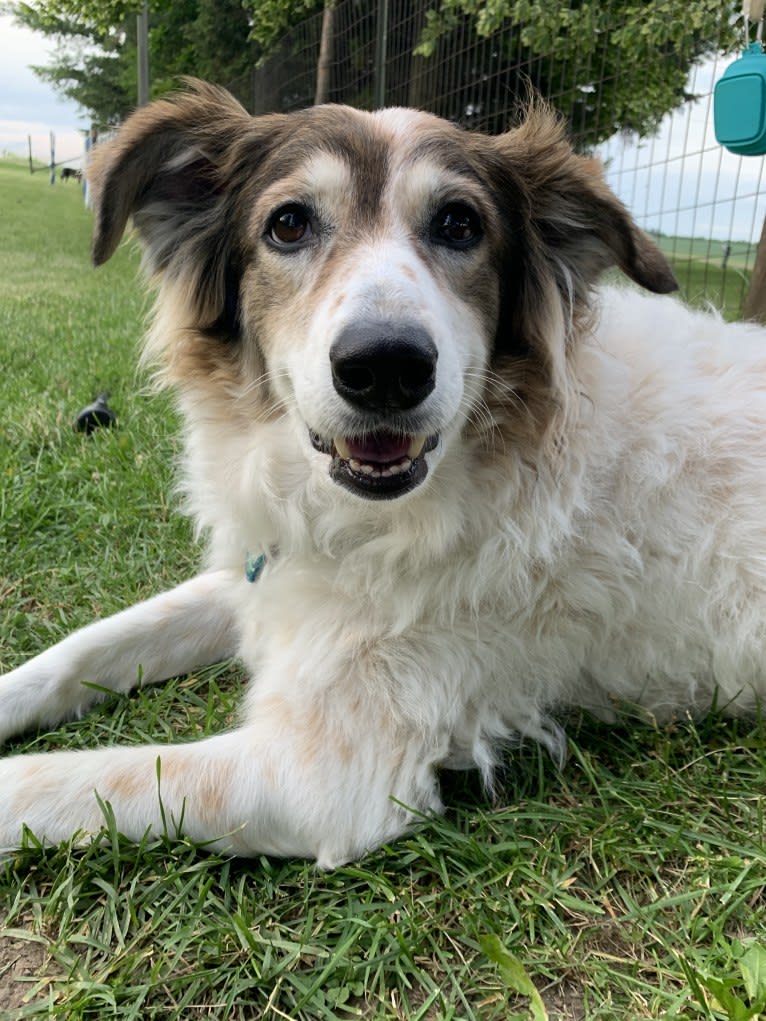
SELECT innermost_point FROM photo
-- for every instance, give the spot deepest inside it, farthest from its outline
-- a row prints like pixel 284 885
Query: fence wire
pixel 703 205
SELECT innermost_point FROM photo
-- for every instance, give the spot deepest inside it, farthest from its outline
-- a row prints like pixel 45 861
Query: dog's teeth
pixel 416 445
pixel 343 451
pixel 342 447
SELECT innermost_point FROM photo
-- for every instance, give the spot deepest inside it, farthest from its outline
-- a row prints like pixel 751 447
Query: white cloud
pixel 682 181
pixel 68 143
pixel 29 106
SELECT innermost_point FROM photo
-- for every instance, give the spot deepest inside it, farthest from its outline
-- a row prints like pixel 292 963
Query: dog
pixel 450 484
pixel 68 172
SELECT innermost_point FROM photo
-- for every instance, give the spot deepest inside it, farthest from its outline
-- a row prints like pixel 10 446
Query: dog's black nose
pixel 384 365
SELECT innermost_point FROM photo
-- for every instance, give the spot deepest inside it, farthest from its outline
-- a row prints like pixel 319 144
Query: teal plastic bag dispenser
pixel 739 104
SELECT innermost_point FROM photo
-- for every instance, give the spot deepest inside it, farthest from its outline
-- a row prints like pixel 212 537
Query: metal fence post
pixel 142 34
pixel 381 52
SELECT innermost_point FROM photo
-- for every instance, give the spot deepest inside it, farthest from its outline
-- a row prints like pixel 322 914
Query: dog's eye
pixel 456 225
pixel 290 226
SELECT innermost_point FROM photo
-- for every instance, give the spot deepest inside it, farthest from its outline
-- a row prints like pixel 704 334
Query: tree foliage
pixel 608 65
pixel 95 59
pixel 271 19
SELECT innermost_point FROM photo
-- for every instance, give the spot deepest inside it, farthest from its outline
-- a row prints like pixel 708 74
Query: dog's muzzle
pixel 385 372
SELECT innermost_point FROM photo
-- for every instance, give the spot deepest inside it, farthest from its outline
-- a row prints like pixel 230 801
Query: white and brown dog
pixel 474 488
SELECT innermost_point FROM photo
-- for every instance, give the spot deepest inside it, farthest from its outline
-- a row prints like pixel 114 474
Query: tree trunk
pixel 423 71
pixel 755 303
pixel 324 63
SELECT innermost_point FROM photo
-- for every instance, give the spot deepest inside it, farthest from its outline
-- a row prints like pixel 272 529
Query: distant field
pixel 707 250
pixel 706 276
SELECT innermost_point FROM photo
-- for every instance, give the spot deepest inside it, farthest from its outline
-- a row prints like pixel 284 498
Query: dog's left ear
pixel 175 168
pixel 584 228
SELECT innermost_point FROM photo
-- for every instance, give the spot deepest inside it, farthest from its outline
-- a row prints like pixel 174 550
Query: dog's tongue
pixel 380 448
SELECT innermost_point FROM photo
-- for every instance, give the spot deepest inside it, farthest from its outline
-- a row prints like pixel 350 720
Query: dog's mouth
pixel 378 466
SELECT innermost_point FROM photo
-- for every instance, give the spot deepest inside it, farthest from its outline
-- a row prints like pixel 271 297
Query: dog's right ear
pixel 173 169
pixel 163 168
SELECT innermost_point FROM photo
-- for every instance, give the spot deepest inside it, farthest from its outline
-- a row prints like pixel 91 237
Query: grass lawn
pixel 702 276
pixel 628 886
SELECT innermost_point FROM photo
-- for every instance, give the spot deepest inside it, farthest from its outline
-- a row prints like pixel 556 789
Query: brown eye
pixel 290 226
pixel 456 226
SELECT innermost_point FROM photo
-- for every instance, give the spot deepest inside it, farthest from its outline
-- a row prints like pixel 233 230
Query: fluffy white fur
pixel 621 560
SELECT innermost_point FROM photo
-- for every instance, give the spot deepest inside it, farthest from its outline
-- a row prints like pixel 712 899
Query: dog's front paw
pixel 36 791
pixel 17 704
pixel 36 694
pixel 13 776
pixel 10 695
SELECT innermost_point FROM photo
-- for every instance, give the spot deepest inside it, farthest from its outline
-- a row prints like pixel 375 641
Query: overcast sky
pixel 680 182
pixel 29 106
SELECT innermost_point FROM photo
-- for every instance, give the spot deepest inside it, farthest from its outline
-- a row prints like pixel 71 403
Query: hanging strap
pixel 752 11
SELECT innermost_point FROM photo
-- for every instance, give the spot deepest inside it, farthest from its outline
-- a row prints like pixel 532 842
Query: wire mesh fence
pixel 705 206
pixel 611 82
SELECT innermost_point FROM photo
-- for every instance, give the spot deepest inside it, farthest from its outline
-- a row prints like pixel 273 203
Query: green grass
pixel 628 886
pixel 711 250
pixel 702 276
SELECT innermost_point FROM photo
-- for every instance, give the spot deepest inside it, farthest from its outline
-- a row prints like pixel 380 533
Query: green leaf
pixel 513 974
pixel 752 965
pixel 736 1009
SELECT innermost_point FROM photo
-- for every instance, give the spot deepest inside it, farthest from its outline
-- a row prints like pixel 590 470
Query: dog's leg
pixel 187 627
pixel 300 778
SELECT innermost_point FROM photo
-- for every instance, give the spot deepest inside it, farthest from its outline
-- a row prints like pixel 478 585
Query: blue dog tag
pixel 253 566
pixel 739 104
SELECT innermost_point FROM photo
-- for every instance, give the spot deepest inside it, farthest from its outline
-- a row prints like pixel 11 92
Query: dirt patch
pixel 564 1003
pixel 20 961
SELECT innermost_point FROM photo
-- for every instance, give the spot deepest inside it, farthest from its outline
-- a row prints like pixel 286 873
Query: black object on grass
pixel 95 416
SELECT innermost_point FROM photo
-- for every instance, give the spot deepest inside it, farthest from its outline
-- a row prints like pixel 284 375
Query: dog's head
pixel 365 274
